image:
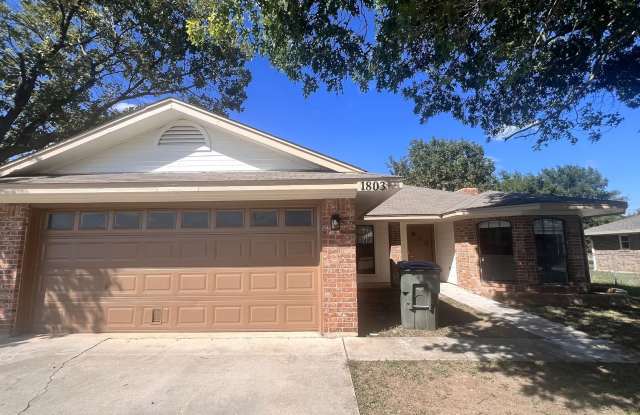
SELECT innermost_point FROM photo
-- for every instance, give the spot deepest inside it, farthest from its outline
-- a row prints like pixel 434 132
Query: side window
pixel 195 219
pixel 365 250
pixel 93 220
pixel 496 250
pixel 264 218
pixel 229 218
pixel 551 250
pixel 61 221
pixel 126 220
pixel 161 220
pixel 298 217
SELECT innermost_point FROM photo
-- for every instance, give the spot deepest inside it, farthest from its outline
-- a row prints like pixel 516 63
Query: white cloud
pixel 510 131
pixel 123 106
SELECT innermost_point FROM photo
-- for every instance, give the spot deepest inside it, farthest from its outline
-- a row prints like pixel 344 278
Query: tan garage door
pixel 179 270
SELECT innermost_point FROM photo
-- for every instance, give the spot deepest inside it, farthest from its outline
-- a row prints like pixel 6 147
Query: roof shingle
pixel 622 226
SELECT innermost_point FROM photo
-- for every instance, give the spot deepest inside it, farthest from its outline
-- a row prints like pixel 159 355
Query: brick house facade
pixel 610 256
pixel 338 263
pixel 14 223
pixel 526 275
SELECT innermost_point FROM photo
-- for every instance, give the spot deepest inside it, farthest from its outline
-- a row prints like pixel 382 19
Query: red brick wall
pixel 524 253
pixel 338 256
pixel 14 221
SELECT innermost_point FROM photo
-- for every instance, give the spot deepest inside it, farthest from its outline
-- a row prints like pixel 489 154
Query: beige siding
pixel 226 153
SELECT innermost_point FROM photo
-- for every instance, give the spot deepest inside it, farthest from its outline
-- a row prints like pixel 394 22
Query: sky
pixel 366 128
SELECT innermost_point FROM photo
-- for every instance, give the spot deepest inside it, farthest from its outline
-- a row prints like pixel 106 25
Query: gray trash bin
pixel 419 290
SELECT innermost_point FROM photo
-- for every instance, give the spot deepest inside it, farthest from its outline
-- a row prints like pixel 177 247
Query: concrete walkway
pixel 555 342
pixel 175 374
pixel 573 343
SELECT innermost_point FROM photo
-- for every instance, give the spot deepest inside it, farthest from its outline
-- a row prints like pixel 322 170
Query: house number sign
pixel 374 186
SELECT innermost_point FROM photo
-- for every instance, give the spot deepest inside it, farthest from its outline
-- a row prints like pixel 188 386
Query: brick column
pixel 467 255
pixel 14 222
pixel 338 267
pixel 577 267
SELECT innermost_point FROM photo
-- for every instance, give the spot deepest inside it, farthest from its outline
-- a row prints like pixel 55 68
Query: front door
pixel 420 243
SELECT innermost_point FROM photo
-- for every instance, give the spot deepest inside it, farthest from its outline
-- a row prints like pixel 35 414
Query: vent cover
pixel 182 134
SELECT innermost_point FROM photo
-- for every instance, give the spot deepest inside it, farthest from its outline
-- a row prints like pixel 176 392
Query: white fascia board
pixel 173 194
pixel 190 110
pixel 82 139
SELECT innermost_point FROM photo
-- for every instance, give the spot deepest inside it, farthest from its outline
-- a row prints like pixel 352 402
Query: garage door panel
pixel 157 284
pixel 200 315
pixel 192 283
pixel 249 279
pixel 230 283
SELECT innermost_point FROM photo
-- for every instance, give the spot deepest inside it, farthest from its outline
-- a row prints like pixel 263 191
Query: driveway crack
pixel 53 374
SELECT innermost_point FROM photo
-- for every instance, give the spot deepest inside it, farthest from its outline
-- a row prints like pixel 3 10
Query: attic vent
pixel 181 134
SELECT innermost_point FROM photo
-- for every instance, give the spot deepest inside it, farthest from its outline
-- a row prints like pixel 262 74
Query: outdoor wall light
pixel 335 222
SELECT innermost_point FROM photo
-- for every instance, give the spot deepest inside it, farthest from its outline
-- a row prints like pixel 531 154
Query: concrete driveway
pixel 173 374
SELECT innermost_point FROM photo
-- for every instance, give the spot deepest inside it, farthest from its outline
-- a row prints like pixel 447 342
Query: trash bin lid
pixel 418 266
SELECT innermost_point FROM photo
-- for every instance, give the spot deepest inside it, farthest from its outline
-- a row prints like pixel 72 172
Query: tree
pixel 569 180
pixel 66 63
pixel 514 68
pixel 445 164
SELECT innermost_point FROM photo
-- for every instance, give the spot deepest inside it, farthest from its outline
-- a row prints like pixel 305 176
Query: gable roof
pixel 412 201
pixel 622 226
pixel 158 111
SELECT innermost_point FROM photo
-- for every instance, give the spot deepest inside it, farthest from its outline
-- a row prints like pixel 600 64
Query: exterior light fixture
pixel 335 222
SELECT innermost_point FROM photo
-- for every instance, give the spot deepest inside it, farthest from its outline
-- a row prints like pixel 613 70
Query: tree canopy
pixel 515 68
pixel 568 180
pixel 65 64
pixel 445 165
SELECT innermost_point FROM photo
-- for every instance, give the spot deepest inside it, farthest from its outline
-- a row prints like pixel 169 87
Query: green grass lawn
pixel 628 282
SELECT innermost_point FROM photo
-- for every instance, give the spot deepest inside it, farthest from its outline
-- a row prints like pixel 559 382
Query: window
pixel 229 218
pixel 365 250
pixel 551 251
pixel 264 218
pixel 161 220
pixel 302 217
pixel 496 250
pixel 93 220
pixel 126 220
pixel 61 221
pixel 195 220
pixel 624 242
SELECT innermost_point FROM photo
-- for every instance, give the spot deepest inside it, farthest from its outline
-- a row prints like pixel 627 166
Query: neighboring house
pixel 615 246
pixel 172 218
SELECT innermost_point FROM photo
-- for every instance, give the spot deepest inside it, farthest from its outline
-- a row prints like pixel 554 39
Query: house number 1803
pixel 374 186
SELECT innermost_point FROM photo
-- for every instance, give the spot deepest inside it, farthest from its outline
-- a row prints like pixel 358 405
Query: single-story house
pixel 615 246
pixel 172 218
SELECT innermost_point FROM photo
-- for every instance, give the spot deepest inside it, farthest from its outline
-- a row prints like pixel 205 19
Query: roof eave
pixel 168 104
